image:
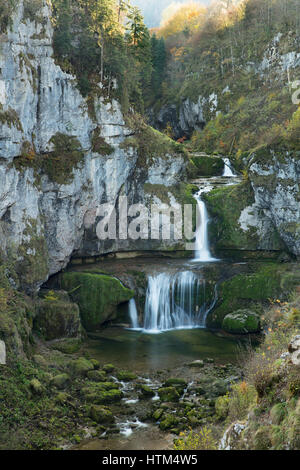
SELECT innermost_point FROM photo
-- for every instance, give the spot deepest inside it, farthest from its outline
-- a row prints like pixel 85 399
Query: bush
pixel 203 440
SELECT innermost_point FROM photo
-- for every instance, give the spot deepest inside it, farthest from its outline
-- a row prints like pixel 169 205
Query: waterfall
pixel 227 169
pixel 133 314
pixel 202 250
pixel 175 301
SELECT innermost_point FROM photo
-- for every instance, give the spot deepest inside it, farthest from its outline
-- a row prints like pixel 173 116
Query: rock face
pixel 276 191
pixel 43 220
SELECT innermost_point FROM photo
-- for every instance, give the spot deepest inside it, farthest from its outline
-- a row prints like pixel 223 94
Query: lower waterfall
pixel 176 301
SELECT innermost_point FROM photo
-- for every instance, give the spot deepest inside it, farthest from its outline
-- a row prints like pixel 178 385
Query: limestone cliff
pixel 62 155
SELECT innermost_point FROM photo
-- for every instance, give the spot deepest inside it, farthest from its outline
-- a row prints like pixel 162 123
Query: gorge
pixel 125 343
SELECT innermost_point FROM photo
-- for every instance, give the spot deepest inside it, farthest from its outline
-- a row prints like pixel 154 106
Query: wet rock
pixel 126 376
pixel 102 393
pixel 241 322
pixel 175 382
pixel 108 368
pixel 168 394
pixel 81 366
pixel 146 392
pixel 96 376
pixel 199 363
pixel 101 415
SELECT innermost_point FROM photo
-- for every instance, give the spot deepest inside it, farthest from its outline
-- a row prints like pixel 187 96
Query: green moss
pixel 251 291
pixel 168 394
pixel 66 156
pixel 126 376
pixel 10 118
pixel 81 366
pixel 57 319
pixel 150 143
pixel 208 165
pixel 101 415
pixel 97 296
pixel 96 375
pixel 99 145
pixel 60 381
pixel 241 322
pixel 168 422
pixel 6 10
pixel 31 263
pixel 67 346
pixel 31 11
pixel 225 206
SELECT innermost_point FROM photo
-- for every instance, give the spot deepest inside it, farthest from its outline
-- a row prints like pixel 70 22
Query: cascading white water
pixel 133 313
pixel 227 169
pixel 202 251
pixel 172 302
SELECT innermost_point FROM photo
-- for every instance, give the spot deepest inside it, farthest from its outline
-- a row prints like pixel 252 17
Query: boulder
pixel 60 381
pixel 101 415
pixel 97 295
pixel 241 322
pixel 168 394
pixel 96 375
pixel 81 366
pixel 57 319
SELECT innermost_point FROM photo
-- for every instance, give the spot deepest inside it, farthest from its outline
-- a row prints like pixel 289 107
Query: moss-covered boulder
pixel 108 368
pixel 241 322
pixel 102 393
pixel 146 392
pixel 126 376
pixel 96 376
pixel 81 366
pixel 208 165
pixel 57 319
pixel 97 295
pixel 60 381
pixel 101 415
pixel 168 394
pixel 169 421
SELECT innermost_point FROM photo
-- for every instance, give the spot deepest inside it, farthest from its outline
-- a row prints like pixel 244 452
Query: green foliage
pixel 202 440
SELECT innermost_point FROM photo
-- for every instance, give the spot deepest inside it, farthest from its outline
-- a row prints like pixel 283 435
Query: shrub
pixel 203 440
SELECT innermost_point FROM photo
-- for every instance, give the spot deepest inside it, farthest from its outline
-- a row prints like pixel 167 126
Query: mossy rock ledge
pixel 208 166
pixel 241 322
pixel 97 295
